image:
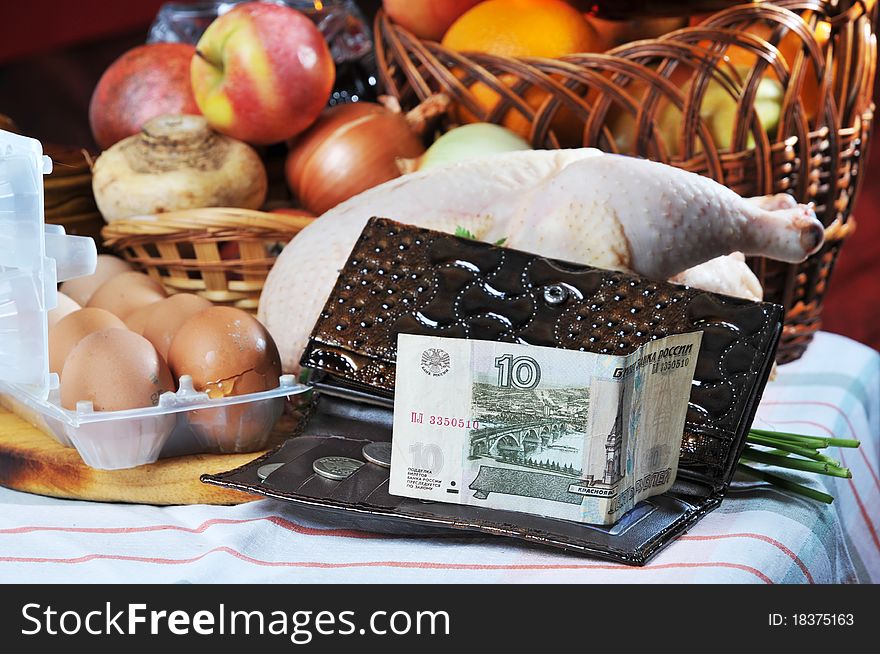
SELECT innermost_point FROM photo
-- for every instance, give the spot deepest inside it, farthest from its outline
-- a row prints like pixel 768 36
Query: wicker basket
pixel 69 201
pixel 221 254
pixel 815 154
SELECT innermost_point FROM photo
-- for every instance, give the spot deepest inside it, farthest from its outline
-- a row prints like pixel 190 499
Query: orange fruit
pixel 522 28
pixel 788 47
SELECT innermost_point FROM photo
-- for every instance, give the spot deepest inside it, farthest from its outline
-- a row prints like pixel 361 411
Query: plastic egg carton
pixel 185 422
pixel 34 257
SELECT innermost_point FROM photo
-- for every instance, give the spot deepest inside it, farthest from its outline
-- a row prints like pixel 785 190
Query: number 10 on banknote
pixel 559 433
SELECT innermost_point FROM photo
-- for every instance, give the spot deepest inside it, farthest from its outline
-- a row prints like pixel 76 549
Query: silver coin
pixel 378 453
pixel 336 467
pixel 268 469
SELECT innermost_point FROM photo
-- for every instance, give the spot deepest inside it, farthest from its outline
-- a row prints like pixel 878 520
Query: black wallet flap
pixel 402 279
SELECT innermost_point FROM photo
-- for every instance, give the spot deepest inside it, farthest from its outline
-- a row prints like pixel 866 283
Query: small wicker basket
pixel 222 254
pixel 815 153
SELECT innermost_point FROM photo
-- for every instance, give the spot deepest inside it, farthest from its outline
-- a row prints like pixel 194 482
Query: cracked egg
pixel 227 352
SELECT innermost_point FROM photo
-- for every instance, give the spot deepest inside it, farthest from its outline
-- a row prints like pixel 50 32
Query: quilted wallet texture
pixel 402 279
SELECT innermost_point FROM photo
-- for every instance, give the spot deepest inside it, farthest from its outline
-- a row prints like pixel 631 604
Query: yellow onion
pixel 349 149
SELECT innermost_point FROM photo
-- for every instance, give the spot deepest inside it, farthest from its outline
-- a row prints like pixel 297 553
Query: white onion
pixel 470 141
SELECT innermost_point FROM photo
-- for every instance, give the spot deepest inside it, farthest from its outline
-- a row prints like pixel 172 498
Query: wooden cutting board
pixel 33 462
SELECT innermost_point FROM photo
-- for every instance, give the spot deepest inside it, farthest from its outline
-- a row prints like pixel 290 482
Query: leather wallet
pixel 402 279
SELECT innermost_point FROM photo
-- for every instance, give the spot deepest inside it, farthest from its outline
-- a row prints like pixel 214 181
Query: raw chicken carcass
pixel 583 206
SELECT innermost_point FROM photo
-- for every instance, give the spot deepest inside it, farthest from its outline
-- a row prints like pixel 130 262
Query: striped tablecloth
pixel 759 535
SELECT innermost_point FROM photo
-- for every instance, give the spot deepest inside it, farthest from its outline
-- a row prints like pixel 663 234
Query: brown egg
pixel 127 292
pixel 65 307
pixel 81 289
pixel 226 351
pixel 137 319
pixel 71 329
pixel 115 369
pixel 167 316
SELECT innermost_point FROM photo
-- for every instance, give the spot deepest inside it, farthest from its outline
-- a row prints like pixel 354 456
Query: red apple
pixel 427 19
pixel 262 73
pixel 145 82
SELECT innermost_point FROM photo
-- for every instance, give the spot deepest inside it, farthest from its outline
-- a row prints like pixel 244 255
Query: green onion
pixel 822 468
pixel 815 442
pixel 793 449
pixel 787 484
pixel 784 445
pixel 844 442
pixel 804 441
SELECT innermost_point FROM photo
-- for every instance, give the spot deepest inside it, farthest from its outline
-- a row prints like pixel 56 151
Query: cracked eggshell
pixel 226 351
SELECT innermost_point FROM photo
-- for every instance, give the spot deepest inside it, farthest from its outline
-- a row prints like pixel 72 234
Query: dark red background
pixel 52 53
